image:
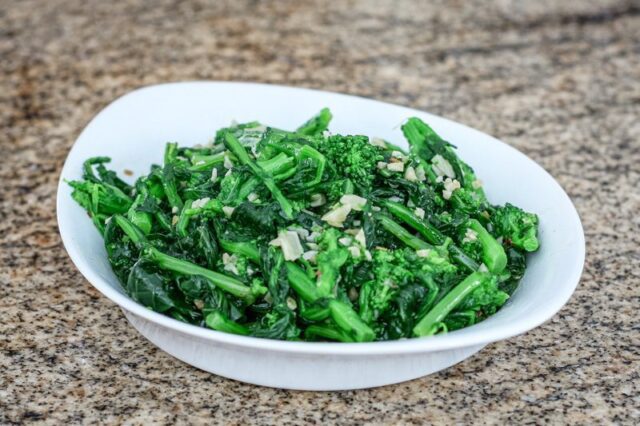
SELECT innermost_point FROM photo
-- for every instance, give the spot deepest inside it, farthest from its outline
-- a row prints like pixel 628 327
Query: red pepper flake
pixel 128 172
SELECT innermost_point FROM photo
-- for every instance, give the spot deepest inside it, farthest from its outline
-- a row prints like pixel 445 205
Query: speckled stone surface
pixel 559 80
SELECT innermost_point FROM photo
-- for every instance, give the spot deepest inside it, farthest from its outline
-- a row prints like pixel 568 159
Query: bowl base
pixel 297 371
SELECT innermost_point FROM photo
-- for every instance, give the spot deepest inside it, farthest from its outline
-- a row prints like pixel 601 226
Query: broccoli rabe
pixel 353 157
pixel 308 235
pixel 516 226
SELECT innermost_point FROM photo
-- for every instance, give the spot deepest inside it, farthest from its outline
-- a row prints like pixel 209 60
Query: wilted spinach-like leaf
pixel 149 288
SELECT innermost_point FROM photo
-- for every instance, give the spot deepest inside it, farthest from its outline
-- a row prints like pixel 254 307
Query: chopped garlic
pixel 337 216
pixel 360 237
pixel 423 253
pixel 227 162
pixel 313 236
pixel 483 268
pixel 420 174
pixel 442 167
pixel 310 255
pixel 470 236
pixel 367 255
pixel 303 234
pixel 382 165
pixel 395 167
pixel 439 179
pixel 228 173
pixel 397 154
pixel 228 211
pixel 449 187
pixel 174 209
pixel 214 175
pixel 291 303
pixel 317 200
pixel 378 142
pixel 230 262
pixel 376 208
pixel 353 294
pixel 313 246
pixel 345 241
pixel 200 202
pixel 355 251
pixel 410 174
pixel 477 184
pixel 419 212
pixel 252 197
pixel 353 201
pixel 289 242
pixel 174 220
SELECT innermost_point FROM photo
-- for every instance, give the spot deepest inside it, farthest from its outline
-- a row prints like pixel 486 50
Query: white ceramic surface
pixel 133 131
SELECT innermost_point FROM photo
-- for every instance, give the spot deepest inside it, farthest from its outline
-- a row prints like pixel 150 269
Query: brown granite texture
pixel 559 80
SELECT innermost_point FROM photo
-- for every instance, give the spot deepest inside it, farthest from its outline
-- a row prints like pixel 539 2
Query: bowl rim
pixel 406 346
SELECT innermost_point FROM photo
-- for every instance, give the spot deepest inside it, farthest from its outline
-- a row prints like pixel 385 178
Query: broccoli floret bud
pixel 517 226
pixel 353 156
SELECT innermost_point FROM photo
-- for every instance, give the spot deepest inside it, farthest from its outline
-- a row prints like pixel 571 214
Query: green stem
pixel 402 234
pixel 183 220
pixel 247 249
pixel 301 283
pixel 314 313
pixel 280 165
pixel 201 163
pixel 224 282
pixel 493 254
pixel 349 321
pixel 234 145
pixel 219 322
pixel 428 231
pixel 132 231
pixel 327 332
pixel 461 258
pixel 428 325
pixel 170 152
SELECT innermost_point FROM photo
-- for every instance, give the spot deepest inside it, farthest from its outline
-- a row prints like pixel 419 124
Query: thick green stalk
pixel 402 234
pixel 278 166
pixel 217 321
pixel 428 325
pixel 183 219
pixel 201 163
pixel 301 283
pixel 132 231
pixel 349 321
pixel 234 145
pixel 247 249
pixel 328 332
pixel 224 282
pixel 430 233
pixel 314 313
pixel 493 254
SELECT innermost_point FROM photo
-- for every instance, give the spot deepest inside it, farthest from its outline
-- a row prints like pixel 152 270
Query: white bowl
pixel 133 130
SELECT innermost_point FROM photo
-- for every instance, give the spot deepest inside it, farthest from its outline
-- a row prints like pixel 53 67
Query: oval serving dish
pixel 133 130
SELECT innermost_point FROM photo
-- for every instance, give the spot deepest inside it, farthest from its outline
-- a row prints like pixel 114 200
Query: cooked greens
pixel 308 235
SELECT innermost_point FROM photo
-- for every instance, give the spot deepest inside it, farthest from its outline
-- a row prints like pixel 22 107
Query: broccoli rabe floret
pixel 520 228
pixel 317 124
pixel 330 259
pixel 354 157
pixel 396 269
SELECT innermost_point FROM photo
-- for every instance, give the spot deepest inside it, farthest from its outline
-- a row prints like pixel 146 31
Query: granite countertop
pixel 558 80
